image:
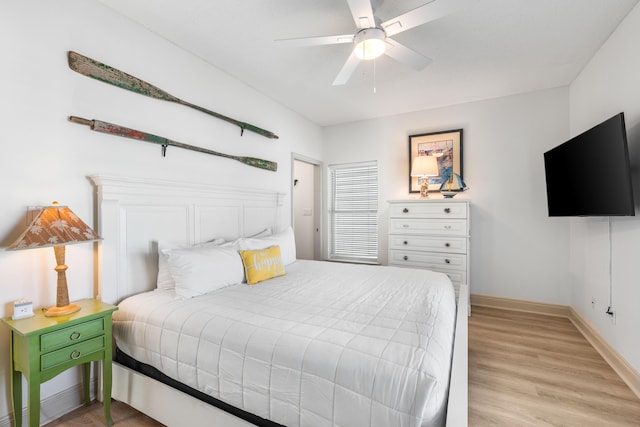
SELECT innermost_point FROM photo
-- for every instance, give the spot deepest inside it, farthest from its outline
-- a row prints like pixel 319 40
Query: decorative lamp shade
pixel 424 166
pixel 56 226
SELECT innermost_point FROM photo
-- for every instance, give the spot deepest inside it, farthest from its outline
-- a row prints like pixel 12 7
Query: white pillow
pixel 202 269
pixel 264 233
pixel 285 239
pixel 164 279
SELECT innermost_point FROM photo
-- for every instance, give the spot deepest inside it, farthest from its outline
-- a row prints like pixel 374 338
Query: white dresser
pixel 431 234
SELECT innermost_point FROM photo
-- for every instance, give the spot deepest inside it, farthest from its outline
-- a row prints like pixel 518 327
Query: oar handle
pixel 81 121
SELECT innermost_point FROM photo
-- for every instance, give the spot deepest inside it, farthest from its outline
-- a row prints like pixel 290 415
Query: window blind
pixel 353 212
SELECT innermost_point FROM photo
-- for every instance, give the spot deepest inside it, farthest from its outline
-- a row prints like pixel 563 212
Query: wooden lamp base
pixel 61 311
pixel 63 307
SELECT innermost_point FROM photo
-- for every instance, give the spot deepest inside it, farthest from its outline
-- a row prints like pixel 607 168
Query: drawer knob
pixel 446 245
pixel 75 354
pixel 447 210
pixel 448 227
pixel 74 335
pixel 405 210
pixel 446 261
pixel 406 258
pixel 405 243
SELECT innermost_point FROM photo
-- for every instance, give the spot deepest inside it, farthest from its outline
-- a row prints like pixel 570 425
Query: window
pixel 353 214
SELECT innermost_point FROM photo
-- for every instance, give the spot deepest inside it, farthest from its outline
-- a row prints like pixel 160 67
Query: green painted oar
pixel 99 71
pixel 111 129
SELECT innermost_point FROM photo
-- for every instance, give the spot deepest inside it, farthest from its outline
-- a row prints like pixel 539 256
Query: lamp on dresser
pixel 424 167
pixel 56 226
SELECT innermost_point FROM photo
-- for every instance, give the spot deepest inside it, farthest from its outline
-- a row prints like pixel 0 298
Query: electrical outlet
pixel 612 314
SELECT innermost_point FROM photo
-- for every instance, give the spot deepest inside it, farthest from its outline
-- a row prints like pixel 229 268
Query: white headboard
pixel 134 213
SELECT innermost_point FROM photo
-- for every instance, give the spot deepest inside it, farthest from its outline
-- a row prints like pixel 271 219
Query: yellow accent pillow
pixel 262 264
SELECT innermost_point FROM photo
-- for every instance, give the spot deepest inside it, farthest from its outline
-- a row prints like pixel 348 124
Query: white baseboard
pixel 618 363
pixel 520 305
pixel 55 406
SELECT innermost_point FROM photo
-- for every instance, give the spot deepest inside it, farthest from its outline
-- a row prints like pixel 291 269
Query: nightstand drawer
pixel 423 243
pixel 71 353
pixel 64 337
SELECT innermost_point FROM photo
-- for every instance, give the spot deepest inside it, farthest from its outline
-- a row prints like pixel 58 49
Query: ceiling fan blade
pixel 316 41
pixel 347 69
pixel 421 15
pixel 406 56
pixel 362 13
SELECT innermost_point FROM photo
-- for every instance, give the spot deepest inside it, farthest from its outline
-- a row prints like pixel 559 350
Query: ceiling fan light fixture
pixel 369 43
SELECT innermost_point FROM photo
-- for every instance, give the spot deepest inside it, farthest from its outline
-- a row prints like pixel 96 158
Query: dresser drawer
pixel 443 227
pixel 71 353
pixel 421 243
pixel 428 210
pixel 429 260
pixel 456 277
pixel 66 336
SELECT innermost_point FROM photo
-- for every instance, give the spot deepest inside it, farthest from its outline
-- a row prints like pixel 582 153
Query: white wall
pixel 44 157
pixel 517 251
pixel 609 84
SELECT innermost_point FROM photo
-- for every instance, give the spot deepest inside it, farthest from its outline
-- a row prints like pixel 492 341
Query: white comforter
pixel 327 344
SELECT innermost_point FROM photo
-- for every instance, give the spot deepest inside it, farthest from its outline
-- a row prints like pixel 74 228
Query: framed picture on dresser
pixel 446 146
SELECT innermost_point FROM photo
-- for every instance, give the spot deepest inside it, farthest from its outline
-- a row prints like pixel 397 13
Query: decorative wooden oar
pixel 110 128
pixel 99 71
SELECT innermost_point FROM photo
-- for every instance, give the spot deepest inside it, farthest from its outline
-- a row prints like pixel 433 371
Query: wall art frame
pixel 446 146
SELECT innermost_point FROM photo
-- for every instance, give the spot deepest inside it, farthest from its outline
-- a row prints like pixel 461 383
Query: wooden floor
pixel 93 416
pixel 533 370
pixel 524 370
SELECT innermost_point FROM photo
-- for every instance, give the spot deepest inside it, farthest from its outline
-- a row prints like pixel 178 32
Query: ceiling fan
pixel 373 37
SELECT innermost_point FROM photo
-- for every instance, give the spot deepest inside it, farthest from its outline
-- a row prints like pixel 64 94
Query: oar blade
pixel 99 71
pixel 259 163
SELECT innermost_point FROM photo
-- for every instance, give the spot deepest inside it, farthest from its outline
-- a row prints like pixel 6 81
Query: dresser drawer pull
pixel 75 354
pixel 447 227
pixel 405 225
pixel 446 261
pixel 406 258
pixel 405 243
pixel 405 210
pixel 447 210
pixel 74 335
pixel 446 245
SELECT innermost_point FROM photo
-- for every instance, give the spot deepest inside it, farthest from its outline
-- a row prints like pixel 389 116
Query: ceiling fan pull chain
pixel 374 76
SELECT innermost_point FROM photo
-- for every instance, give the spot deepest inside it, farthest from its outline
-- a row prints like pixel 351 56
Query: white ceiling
pixel 490 48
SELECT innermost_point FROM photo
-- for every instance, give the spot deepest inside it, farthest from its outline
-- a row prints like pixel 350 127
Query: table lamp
pixel 423 167
pixel 56 226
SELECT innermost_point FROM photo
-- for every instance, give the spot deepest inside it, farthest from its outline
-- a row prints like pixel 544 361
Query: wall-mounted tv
pixel 589 175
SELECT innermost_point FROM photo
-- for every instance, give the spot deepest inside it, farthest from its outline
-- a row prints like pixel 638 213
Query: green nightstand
pixel 42 347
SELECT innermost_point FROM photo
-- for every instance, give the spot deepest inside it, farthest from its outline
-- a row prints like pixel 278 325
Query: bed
pixel 322 344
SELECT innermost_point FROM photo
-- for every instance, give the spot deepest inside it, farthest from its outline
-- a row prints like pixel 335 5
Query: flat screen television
pixel 589 175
